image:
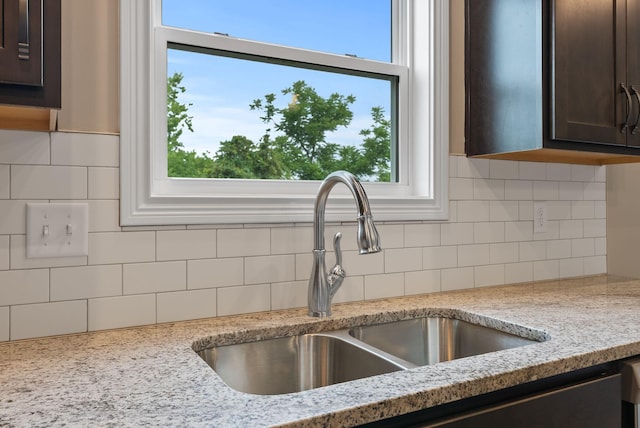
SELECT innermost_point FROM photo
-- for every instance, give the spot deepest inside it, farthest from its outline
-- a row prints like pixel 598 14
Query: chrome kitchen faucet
pixel 323 286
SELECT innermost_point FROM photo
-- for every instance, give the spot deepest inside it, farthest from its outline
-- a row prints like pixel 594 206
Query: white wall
pixel 143 275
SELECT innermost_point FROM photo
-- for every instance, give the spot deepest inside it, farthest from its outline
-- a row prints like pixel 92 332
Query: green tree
pixel 304 123
pixel 294 146
pixel 180 162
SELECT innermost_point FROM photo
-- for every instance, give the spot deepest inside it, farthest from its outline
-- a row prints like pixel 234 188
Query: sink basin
pixel 293 364
pixel 307 361
pixel 424 341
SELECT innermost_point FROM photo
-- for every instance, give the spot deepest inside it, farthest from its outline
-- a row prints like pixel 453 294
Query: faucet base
pixel 320 314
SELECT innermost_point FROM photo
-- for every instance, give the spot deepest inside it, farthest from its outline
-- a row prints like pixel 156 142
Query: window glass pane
pixel 355 27
pixel 237 118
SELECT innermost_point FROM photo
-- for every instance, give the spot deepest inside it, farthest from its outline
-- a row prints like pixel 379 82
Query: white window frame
pixel 149 197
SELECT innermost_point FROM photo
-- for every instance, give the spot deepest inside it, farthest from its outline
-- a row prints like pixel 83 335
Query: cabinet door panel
pixel 588 66
pixel 21 42
pixel 633 67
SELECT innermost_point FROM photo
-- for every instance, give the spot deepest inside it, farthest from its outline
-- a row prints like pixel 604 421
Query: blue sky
pixel 221 89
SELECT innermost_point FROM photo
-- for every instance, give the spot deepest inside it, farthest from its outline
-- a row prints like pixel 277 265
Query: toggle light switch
pixel 57 229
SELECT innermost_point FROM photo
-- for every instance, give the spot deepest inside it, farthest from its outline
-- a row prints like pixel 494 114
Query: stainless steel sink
pixel 423 341
pixel 293 364
pixel 297 363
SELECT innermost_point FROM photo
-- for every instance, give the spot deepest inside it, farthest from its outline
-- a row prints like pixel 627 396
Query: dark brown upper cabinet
pixel 553 80
pixel 30 72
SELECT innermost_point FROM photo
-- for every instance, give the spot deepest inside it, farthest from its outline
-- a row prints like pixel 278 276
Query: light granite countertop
pixel 151 376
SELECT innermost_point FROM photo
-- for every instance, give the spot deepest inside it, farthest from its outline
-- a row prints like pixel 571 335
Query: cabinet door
pixel 30 53
pixel 21 42
pixel 633 68
pixel 589 89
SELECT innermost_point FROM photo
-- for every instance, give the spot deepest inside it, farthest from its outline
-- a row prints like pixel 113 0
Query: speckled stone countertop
pixel 151 376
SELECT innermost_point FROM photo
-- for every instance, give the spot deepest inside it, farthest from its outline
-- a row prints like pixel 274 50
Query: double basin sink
pixel 307 361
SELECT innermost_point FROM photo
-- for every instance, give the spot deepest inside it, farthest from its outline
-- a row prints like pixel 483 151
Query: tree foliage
pixel 295 144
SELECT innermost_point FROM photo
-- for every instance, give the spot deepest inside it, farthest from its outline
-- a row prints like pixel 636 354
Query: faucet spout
pixel 323 286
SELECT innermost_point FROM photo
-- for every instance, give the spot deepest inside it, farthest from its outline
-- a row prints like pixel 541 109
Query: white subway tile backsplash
pixel 263 269
pixel 48 182
pixel 460 188
pixel 244 242
pixel 507 252
pixel 457 233
pixel 473 211
pixel 595 228
pixel 118 247
pixel 291 240
pixel 558 210
pixel 518 190
pixel 583 247
pixel 385 285
pixel 24 147
pixel 518 231
pixel 456 279
pixel 595 191
pixel 244 299
pixel 5 188
pixel 104 216
pixel 352 290
pixel 4 252
pixel 13 215
pixel 422 235
pixel 571 267
pixel 473 255
pixel 145 278
pixel 4 324
pixel 503 169
pixel 146 275
pixel 104 183
pixel 532 250
pixel 473 167
pixel 518 272
pixel 504 211
pixel 571 229
pixel 215 273
pixel 391 236
pixel 439 257
pixel 488 189
pixel 571 190
pixel 402 260
pixel 186 305
pixel 545 270
pixel 48 319
pixel 484 233
pixel 533 171
pixel 420 282
pixel 546 191
pixel 601 246
pixel 583 173
pixel 582 209
pixel 362 264
pixel 117 312
pixel 559 249
pixel 488 275
pixel 285 295
pixel 558 172
pixel 595 265
pixel 68 148
pixel 86 282
pixel 600 209
pixel 186 244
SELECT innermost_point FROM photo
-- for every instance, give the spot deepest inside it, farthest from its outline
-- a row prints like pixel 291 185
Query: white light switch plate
pixel 57 229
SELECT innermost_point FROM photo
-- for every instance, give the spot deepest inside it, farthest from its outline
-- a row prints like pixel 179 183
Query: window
pixel 409 83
